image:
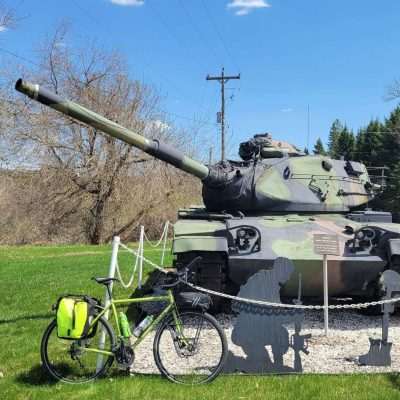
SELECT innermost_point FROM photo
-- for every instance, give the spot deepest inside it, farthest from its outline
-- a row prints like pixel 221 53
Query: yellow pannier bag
pixel 72 318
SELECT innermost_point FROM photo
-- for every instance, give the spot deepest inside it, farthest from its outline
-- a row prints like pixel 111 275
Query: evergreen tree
pixel 345 144
pixel 376 145
pixel 334 134
pixel 391 196
pixel 358 146
pixel 390 152
pixel 319 148
pixel 305 151
pixel 371 146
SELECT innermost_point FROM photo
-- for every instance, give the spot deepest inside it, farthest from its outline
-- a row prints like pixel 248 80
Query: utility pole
pixel 210 158
pixel 222 79
pixel 308 127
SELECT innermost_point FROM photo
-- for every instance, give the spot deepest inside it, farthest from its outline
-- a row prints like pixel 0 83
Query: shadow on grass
pixel 36 376
pixel 26 317
pixel 394 380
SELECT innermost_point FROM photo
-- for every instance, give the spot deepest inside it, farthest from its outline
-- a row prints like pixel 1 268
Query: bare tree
pixel 393 91
pixel 7 17
pixel 88 178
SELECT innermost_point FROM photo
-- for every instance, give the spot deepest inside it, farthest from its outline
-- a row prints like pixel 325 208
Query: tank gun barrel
pixel 153 147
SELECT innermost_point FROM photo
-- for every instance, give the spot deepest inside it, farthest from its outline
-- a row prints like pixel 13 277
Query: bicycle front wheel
pixel 192 351
pixel 72 361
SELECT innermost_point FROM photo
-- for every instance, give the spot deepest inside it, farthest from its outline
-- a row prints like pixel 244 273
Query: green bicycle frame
pixel 170 307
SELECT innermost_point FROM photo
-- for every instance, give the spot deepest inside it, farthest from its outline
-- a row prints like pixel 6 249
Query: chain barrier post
pixel 111 274
pixel 166 228
pixel 141 250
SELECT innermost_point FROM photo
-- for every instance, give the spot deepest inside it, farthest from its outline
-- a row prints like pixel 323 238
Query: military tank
pixel 267 205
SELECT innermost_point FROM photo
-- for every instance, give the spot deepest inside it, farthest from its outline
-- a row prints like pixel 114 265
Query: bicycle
pixel 180 343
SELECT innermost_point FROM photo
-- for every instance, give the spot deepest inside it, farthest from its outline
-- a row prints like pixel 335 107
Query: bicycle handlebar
pixel 182 276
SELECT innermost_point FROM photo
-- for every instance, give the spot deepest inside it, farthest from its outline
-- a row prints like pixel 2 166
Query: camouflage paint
pixel 269 192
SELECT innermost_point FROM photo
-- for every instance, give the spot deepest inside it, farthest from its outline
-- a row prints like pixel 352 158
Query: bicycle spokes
pixel 73 360
pixel 193 353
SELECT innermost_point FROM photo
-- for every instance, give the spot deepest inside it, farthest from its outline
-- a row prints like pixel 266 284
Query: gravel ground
pixel 349 333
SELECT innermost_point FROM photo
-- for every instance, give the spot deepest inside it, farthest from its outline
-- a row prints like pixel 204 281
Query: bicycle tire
pixel 162 361
pixel 56 370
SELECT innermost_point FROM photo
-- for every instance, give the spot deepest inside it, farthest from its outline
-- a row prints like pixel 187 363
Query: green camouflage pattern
pixel 291 236
pixel 269 205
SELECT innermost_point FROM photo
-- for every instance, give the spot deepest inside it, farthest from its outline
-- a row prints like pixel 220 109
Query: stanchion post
pixel 325 272
pixel 166 229
pixel 141 250
pixel 111 274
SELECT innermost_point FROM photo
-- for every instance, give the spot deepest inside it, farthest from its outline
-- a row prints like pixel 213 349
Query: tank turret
pixel 273 176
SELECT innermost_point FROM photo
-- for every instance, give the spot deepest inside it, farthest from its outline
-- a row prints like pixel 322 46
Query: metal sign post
pixel 326 289
pixel 326 245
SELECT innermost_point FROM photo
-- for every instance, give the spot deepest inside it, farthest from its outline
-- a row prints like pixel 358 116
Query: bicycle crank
pixel 125 356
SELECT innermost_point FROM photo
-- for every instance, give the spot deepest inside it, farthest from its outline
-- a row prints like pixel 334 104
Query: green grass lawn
pixel 31 278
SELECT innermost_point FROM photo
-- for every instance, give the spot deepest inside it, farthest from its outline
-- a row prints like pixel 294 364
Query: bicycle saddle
pixel 105 281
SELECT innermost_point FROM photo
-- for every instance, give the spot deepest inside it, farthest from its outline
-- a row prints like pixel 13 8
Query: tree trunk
pixel 96 222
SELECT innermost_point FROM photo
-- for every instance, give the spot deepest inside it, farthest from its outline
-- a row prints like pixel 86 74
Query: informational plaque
pixel 325 244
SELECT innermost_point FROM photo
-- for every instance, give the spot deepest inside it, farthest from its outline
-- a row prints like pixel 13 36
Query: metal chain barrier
pixel 138 262
pixel 163 239
pixel 262 302
pixel 132 278
pixel 165 232
pixel 298 306
pixel 146 260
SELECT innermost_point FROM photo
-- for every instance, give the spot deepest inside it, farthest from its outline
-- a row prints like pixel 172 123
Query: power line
pixel 96 21
pixel 172 34
pixel 220 35
pixel 19 57
pixel 193 119
pixel 199 33
pixel 175 38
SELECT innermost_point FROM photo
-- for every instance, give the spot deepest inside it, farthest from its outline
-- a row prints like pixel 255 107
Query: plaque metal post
pixel 325 272
pixel 325 244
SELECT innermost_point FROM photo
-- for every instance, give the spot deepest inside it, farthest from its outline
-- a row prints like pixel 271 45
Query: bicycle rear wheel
pixel 193 354
pixel 69 361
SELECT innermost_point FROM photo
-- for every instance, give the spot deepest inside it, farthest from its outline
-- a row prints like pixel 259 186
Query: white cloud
pixel 243 7
pixel 134 3
pixel 157 125
pixel 287 110
pixel 3 28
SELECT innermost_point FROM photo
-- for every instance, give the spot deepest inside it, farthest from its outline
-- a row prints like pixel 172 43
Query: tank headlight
pixel 360 235
pixel 241 233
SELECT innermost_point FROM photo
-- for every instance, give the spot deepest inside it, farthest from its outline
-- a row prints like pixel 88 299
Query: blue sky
pixel 338 57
